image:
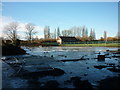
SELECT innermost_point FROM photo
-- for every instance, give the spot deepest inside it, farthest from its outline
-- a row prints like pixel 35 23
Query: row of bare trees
pixel 11 30
pixel 80 32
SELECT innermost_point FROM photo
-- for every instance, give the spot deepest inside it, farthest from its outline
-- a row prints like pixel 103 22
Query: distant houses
pixel 67 39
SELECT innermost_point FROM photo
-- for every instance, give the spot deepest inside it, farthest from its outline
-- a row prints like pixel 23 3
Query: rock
pixel 52 84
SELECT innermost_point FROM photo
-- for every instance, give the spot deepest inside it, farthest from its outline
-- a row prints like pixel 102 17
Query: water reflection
pixel 67 52
pixel 83 68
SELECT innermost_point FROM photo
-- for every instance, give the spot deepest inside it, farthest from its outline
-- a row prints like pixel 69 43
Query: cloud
pixel 21 30
pixel 38 29
pixel 22 27
pixel 5 20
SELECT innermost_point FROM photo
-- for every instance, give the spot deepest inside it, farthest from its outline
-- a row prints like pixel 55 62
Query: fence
pixel 91 42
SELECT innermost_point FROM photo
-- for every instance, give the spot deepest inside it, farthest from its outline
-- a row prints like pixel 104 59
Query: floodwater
pixel 83 68
pixel 77 68
pixel 71 52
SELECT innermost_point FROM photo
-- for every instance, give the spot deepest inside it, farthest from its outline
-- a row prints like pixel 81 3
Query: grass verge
pixel 92 45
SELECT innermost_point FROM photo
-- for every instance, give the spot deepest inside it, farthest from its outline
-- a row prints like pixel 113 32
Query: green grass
pixel 92 45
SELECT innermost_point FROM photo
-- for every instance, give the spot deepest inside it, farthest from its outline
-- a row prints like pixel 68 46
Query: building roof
pixel 69 39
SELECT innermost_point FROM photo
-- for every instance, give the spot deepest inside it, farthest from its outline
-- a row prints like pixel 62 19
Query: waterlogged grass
pixel 92 45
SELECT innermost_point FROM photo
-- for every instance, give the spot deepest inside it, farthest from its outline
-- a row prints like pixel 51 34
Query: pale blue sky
pixel 98 15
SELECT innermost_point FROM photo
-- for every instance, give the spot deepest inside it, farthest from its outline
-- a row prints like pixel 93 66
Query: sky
pixel 98 15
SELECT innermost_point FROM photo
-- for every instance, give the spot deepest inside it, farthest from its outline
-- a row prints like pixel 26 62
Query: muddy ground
pixel 86 73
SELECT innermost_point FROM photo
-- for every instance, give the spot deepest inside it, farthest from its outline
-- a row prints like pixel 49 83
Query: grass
pixel 92 45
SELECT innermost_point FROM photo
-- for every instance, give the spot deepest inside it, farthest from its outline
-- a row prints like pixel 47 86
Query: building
pixel 67 39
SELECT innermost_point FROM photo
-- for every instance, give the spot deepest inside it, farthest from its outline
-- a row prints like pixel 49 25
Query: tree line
pixel 11 30
pixel 82 33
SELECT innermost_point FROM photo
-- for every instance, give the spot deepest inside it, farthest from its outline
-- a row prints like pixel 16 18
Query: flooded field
pixel 70 52
pixel 74 62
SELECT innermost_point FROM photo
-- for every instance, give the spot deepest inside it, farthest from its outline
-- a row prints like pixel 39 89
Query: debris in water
pixel 101 57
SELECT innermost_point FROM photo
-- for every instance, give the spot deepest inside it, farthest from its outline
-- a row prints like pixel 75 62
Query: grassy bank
pixel 92 45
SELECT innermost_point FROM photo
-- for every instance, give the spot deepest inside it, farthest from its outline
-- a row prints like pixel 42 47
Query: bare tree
pixel 66 32
pixel 78 32
pixel 51 35
pixel 58 32
pixel 30 31
pixel 74 31
pixel 47 32
pixel 11 31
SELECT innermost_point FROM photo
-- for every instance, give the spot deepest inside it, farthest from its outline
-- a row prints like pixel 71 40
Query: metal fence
pixel 91 42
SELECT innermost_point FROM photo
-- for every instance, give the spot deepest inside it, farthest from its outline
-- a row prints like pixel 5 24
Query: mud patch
pixel 53 72
pixel 110 84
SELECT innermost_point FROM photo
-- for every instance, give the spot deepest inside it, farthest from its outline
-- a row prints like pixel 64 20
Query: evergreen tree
pixel 55 34
pixel 94 36
pixel 105 36
pixel 83 31
pixel 91 35
pixel 58 32
pixel 86 32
